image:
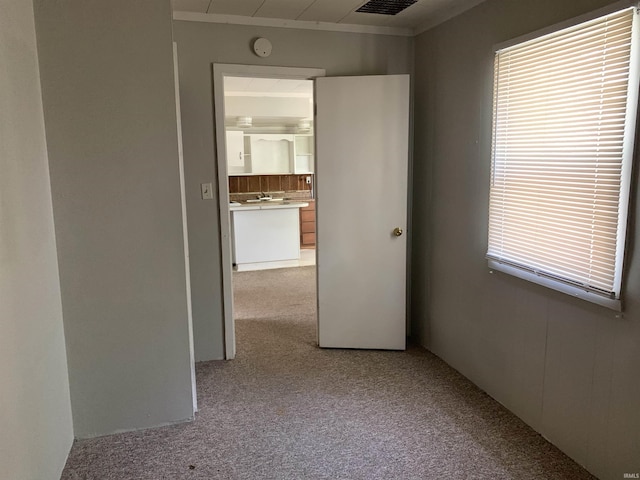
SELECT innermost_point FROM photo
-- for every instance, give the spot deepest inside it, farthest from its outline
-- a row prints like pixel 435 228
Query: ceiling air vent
pixel 385 7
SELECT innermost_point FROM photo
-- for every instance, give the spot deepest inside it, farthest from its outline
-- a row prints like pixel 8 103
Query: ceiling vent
pixel 385 7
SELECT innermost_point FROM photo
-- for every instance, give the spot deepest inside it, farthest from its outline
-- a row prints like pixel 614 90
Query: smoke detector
pixel 262 47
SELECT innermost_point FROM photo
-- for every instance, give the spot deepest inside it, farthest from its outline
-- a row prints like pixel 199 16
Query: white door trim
pixel 221 70
pixel 185 230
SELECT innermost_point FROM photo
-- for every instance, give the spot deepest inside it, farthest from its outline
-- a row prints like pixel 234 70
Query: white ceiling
pixel 279 89
pixel 416 18
pixel 275 87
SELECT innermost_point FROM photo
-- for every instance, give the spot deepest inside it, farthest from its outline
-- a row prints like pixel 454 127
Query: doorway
pixel 265 171
pixel 362 261
pixel 270 156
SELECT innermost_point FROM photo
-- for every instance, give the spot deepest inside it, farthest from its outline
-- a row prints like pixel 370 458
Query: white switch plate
pixel 206 189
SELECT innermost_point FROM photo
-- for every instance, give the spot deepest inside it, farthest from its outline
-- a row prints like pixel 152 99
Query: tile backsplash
pixel 243 187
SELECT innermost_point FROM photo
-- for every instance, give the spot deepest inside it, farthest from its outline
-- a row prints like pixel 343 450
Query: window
pixel 563 129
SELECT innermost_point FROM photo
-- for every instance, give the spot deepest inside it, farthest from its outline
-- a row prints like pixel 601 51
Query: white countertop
pixel 267 205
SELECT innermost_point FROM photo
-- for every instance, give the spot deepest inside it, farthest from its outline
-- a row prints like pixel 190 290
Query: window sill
pixel 611 303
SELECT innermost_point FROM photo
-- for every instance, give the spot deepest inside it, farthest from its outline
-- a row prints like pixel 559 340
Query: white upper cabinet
pixel 303 154
pixel 269 153
pixel 235 152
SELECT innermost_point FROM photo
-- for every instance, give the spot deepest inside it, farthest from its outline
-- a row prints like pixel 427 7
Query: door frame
pixel 185 229
pixel 220 70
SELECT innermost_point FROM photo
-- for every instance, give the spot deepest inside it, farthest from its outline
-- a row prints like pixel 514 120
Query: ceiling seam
pixel 352 10
pixel 258 9
pixel 308 7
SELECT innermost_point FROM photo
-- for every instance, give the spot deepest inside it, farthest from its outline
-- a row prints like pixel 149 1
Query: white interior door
pixel 362 135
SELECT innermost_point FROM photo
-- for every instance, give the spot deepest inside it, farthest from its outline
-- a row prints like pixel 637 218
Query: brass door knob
pixel 397 231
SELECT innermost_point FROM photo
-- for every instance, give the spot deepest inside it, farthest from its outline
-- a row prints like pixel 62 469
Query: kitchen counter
pixel 267 205
pixel 265 234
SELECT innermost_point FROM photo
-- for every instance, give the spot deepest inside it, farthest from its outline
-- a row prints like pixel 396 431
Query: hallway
pixel 284 409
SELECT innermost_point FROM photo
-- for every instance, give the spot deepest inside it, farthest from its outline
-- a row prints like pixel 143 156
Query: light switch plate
pixel 206 189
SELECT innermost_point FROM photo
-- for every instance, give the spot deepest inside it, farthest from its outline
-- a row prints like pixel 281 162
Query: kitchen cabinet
pixel 303 154
pixel 265 232
pixel 269 153
pixel 308 225
pixel 235 152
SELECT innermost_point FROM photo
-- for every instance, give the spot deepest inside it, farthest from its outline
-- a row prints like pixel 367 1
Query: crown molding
pixel 297 24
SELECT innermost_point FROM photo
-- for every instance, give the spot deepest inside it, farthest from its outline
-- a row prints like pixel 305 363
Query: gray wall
pixel 199 46
pixel 107 80
pixel 568 368
pixel 35 411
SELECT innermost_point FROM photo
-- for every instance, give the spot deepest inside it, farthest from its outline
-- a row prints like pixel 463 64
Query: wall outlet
pixel 206 190
pixel 308 180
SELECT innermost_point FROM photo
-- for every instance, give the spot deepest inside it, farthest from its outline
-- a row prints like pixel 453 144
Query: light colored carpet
pixel 285 409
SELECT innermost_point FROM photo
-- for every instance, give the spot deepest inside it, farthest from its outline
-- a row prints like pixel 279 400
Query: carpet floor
pixel 285 409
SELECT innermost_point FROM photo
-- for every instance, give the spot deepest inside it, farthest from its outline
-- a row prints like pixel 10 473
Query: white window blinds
pixel 563 128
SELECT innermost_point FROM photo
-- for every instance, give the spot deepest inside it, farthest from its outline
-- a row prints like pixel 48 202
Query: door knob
pixel 397 231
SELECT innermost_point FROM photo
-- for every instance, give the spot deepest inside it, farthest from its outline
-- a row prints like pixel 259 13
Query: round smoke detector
pixel 262 47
